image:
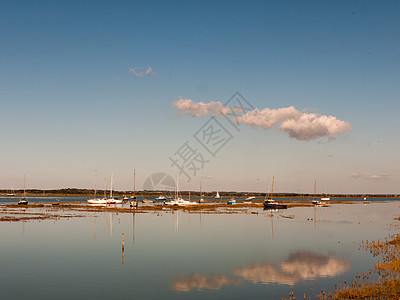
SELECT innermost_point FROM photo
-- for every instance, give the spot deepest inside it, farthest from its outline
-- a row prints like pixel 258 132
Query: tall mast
pixel 95 183
pixel 134 181
pixel 24 184
pixel 267 191
pixel 176 187
pixel 105 187
pixel 272 188
pixel 201 183
pixel 111 185
pixel 189 189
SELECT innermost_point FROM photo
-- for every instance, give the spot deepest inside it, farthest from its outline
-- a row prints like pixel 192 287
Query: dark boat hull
pixel 274 206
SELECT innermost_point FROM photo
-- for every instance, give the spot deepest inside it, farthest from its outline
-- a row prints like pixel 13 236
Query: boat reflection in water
pixel 298 266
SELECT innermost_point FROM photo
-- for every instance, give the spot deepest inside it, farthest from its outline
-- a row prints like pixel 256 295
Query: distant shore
pixel 90 193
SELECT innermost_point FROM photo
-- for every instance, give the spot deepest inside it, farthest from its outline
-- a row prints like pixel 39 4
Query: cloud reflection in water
pixel 299 266
pixel 197 282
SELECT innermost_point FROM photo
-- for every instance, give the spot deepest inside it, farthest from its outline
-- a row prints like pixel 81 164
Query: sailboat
pixel 11 194
pixel 177 199
pixel 201 200
pixel 96 200
pixel 111 200
pixel 272 204
pixel 134 185
pixel 23 200
pixel 317 202
pixel 134 203
pixel 326 198
pixel 217 196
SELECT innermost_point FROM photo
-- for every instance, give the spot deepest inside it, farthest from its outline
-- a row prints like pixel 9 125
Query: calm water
pixel 190 256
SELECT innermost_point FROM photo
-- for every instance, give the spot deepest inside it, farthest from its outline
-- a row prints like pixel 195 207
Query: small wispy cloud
pixel 373 177
pixel 140 72
pixel 381 176
pixel 300 125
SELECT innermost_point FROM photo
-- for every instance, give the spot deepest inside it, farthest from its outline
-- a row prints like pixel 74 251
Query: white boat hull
pixel 97 201
pixel 180 202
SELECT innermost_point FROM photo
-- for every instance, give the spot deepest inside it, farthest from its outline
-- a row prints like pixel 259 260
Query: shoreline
pixel 197 194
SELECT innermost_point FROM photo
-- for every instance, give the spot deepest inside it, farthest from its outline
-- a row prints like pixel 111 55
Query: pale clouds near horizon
pixel 374 176
pixel 299 125
pixel 140 73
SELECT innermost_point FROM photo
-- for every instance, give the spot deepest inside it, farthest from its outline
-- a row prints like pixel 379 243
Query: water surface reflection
pixel 301 265
pixel 181 255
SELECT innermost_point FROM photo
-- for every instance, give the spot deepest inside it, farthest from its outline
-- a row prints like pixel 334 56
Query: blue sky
pixel 71 104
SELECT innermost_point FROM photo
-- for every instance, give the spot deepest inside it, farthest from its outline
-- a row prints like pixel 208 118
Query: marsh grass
pixel 381 282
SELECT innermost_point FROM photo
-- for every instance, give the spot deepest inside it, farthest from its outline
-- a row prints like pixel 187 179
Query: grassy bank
pixel 383 279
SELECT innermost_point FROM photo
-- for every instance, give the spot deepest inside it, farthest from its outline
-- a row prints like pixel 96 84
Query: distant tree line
pixel 84 192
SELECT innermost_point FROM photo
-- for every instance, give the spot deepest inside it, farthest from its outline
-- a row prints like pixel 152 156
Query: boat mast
pixel 315 188
pixel 272 188
pixel 105 187
pixel 95 183
pixel 267 191
pixel 176 187
pixel 111 184
pixel 134 180
pixel 201 183
pixel 24 185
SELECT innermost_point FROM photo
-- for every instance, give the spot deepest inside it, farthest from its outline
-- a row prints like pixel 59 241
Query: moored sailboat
pixel 315 201
pixel 96 200
pixel 23 200
pixel 178 200
pixel 326 198
pixel 201 200
pixel 11 194
pixel 272 204
pixel 112 200
pixel 133 197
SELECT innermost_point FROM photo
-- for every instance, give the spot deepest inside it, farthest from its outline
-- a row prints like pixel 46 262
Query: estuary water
pixel 178 255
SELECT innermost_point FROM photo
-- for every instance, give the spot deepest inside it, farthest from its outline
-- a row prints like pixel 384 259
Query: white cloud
pixel 311 126
pixel 267 118
pixel 149 71
pixel 373 177
pixel 199 109
pixel 299 125
pixel 140 73
pixel 381 176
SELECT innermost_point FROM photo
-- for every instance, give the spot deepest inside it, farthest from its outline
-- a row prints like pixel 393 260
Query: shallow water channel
pixel 178 255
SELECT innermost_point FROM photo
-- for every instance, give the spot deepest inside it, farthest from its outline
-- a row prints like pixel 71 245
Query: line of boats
pixel 111 199
pixel 177 200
